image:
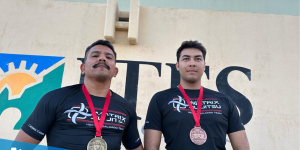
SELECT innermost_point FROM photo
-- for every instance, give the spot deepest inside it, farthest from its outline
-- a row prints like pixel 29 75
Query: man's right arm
pixel 153 124
pixel 152 139
pixel 39 122
pixel 24 137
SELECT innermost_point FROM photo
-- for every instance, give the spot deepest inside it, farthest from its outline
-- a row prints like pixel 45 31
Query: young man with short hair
pixel 190 116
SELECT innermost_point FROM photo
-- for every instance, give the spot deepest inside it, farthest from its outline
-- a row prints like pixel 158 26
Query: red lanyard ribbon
pixel 199 106
pixel 97 124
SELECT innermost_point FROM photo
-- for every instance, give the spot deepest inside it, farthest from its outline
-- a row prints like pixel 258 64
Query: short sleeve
pixel 234 121
pixel 154 117
pixel 41 119
pixel 131 138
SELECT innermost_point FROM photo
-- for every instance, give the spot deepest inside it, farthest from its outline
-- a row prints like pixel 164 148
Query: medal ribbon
pixel 199 106
pixel 99 124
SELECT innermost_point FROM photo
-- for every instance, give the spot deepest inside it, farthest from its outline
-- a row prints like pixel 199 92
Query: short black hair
pixel 100 42
pixel 191 44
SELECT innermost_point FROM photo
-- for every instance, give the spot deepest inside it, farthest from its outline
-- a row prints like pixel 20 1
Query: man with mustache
pixel 86 116
pixel 190 116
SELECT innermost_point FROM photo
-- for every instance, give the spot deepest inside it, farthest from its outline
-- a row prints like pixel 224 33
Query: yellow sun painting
pixel 18 80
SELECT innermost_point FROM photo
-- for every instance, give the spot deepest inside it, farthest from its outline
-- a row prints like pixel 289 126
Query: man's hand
pixel 139 148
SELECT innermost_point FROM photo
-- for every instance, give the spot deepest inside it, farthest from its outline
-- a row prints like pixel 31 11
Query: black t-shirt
pixel 65 117
pixel 169 112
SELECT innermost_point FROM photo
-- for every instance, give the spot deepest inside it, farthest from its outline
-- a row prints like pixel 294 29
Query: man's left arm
pixel 236 129
pixel 239 140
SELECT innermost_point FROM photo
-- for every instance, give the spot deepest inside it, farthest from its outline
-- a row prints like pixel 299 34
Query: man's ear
pixel 82 68
pixel 177 66
pixel 116 71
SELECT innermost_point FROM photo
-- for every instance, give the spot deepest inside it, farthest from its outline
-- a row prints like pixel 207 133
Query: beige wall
pixel 267 44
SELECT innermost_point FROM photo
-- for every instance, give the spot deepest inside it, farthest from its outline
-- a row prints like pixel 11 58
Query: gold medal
pixel 97 143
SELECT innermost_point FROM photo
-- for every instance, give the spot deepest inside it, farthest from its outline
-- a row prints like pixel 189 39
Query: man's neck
pixel 192 86
pixel 97 88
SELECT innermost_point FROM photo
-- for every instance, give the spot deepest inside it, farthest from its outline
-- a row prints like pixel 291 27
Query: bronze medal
pixel 198 136
pixel 97 143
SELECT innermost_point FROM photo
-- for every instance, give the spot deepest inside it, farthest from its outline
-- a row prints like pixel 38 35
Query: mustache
pixel 101 63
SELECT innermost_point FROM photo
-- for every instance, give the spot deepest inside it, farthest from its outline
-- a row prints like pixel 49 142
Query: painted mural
pixel 24 79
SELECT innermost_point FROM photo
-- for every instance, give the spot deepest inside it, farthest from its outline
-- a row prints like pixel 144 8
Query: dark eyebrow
pixel 106 53
pixel 186 56
pixel 190 56
pixel 96 52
